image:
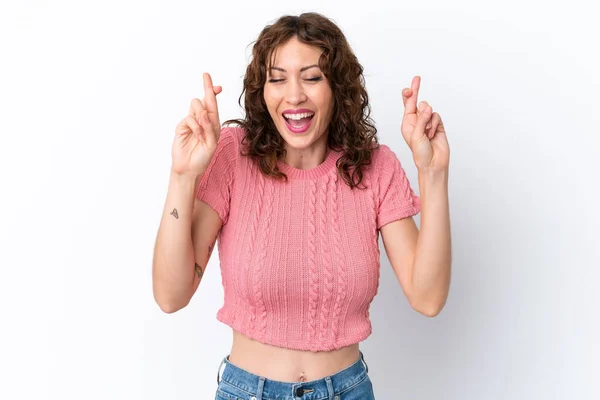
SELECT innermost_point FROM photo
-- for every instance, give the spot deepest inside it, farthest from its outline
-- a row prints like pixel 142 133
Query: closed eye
pixel 316 79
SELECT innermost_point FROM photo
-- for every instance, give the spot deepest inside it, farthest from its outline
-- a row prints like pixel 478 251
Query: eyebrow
pixel 301 69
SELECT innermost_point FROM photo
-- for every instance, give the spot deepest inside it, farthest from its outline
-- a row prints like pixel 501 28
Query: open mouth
pixel 298 122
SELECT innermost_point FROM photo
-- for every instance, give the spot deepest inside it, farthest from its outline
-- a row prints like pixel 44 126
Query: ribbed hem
pixel 215 202
pixel 313 173
pixel 396 215
pixel 295 344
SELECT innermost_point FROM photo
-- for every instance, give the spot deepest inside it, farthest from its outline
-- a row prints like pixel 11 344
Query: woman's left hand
pixel 424 132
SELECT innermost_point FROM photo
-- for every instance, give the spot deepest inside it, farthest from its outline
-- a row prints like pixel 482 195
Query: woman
pixel 297 193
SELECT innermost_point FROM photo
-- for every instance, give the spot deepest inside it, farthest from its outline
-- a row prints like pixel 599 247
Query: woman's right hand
pixel 196 136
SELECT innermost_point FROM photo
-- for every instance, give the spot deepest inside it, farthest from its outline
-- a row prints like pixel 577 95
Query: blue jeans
pixel 351 383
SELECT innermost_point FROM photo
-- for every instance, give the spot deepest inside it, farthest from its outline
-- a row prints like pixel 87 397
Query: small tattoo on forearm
pixel 175 213
pixel 199 271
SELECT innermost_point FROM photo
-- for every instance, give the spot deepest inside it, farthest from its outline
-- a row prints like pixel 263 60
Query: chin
pixel 299 142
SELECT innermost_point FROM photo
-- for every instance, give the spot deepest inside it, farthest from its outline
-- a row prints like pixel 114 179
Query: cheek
pixel 269 102
pixel 272 97
pixel 324 100
pixel 326 106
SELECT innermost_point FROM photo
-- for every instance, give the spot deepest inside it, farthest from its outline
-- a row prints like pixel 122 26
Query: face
pixel 298 96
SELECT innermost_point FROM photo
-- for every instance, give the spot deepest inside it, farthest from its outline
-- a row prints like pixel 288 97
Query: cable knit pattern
pixel 341 264
pixel 371 206
pixel 262 260
pixel 313 294
pixel 300 259
pixel 252 270
pixel 327 264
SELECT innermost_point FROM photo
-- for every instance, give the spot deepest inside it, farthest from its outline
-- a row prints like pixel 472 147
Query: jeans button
pixel 299 392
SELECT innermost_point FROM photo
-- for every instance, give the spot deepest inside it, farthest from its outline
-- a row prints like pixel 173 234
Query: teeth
pixel 298 116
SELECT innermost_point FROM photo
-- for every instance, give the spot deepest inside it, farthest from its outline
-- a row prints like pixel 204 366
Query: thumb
pixel 211 136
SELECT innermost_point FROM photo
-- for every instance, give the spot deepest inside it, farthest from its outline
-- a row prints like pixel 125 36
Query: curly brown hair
pixel 351 131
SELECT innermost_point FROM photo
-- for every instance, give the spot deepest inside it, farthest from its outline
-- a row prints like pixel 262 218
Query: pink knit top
pixel 300 259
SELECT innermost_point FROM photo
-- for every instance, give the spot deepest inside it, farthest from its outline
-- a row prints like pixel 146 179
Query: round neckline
pixel 311 173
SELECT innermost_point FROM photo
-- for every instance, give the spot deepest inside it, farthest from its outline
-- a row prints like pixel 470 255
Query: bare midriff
pixel 287 365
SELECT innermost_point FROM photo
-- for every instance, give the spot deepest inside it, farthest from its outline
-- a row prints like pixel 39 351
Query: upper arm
pixel 212 200
pixel 398 203
pixel 400 241
pixel 206 224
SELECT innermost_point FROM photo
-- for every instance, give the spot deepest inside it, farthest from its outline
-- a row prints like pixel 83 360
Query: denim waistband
pixel 317 389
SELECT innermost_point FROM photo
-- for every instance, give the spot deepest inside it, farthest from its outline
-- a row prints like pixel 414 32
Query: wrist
pixel 185 177
pixel 184 180
pixel 433 176
pixel 433 183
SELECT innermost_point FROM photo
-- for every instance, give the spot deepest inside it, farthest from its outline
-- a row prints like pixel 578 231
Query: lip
pixel 296 130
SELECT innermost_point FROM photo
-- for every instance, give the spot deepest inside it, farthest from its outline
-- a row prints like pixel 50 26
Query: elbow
pixel 428 308
pixel 169 306
pixel 170 299
pixel 431 311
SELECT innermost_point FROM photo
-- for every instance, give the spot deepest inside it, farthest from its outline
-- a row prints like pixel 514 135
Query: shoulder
pixel 383 158
pixel 229 144
pixel 231 135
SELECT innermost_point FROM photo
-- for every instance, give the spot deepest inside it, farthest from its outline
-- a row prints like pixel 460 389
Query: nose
pixel 294 92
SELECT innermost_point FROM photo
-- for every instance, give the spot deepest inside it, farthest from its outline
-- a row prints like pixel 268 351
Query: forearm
pixel 433 256
pixel 173 263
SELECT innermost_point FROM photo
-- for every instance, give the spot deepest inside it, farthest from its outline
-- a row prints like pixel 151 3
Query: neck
pixel 308 158
pixel 305 159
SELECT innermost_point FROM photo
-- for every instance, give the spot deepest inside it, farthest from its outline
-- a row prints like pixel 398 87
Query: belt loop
pixel 362 357
pixel 329 388
pixel 259 390
pixel 219 370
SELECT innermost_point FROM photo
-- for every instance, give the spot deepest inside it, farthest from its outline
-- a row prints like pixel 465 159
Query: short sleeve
pixel 216 183
pixel 397 199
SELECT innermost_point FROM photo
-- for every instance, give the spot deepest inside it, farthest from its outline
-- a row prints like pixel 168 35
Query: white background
pixel 90 93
